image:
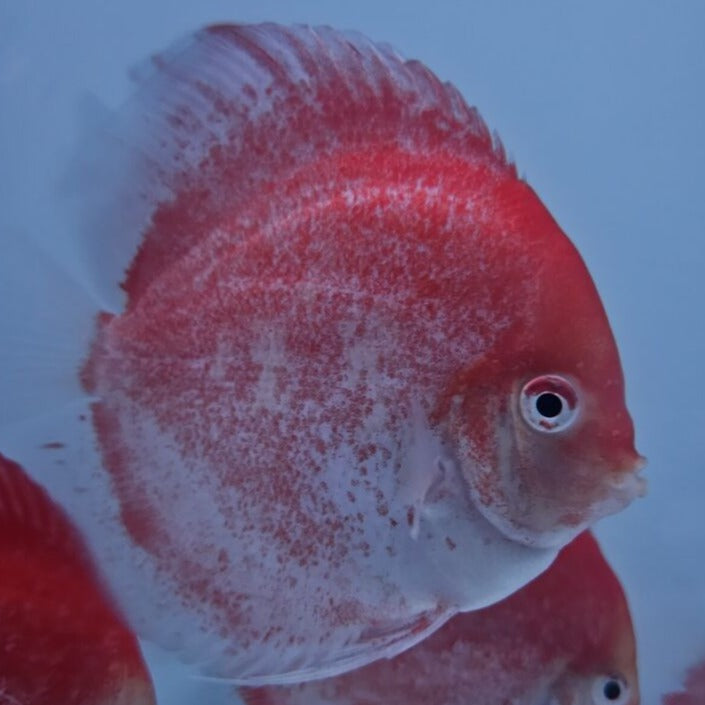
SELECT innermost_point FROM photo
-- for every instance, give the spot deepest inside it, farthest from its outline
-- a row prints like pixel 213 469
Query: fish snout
pixel 626 480
pixel 635 463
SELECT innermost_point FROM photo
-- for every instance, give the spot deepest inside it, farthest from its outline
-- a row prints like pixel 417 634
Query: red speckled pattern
pixel 335 248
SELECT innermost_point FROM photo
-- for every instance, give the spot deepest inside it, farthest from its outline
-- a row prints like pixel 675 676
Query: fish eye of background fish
pixel 600 690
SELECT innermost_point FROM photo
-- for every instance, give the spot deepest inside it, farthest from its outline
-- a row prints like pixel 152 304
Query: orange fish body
pixel 564 639
pixel 355 379
pixel 62 640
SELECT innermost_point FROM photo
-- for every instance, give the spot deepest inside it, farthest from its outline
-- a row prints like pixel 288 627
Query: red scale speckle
pixel 347 245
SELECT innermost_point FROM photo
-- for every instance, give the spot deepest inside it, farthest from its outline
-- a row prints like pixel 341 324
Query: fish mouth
pixel 629 483
pixel 638 464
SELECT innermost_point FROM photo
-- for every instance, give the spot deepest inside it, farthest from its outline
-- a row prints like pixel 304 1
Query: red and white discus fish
pixel 693 692
pixel 564 639
pixel 354 378
pixel 62 642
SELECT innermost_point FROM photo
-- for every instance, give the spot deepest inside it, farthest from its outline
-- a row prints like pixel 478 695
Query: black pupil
pixel 612 690
pixel 549 405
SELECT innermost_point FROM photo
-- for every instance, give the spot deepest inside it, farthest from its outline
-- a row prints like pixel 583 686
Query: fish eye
pixel 610 690
pixel 549 403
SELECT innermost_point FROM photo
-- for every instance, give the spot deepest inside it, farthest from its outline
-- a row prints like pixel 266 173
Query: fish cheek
pixel 532 477
pixel 559 483
pixel 527 484
pixel 481 427
pixel 568 690
pixel 518 478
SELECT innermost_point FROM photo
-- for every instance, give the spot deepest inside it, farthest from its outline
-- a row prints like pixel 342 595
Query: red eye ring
pixel 549 403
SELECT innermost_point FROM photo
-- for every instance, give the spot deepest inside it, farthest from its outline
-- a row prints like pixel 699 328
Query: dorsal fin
pixel 29 517
pixel 231 109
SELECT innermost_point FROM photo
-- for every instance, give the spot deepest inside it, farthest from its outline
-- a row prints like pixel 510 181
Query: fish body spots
pixel 268 366
pixel 270 402
pixel 340 280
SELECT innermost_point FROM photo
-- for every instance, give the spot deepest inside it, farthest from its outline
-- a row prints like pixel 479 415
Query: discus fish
pixel 354 378
pixel 564 639
pixel 62 640
pixel 693 692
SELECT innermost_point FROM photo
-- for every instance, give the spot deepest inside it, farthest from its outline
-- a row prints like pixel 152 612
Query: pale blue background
pixel 602 106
